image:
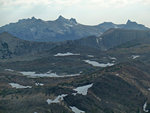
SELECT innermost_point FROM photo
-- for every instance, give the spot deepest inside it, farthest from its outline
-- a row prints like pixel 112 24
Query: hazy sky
pixel 89 12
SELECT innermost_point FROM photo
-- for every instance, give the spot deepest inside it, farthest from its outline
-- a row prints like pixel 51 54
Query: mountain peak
pixel 73 20
pixel 33 18
pixel 61 18
pixel 107 23
pixel 130 22
pixel 28 19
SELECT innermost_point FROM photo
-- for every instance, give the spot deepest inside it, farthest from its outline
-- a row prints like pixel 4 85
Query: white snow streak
pixel 18 86
pixel 76 110
pixel 48 74
pixel 82 89
pixel 96 64
pixel 65 54
pixel 58 99
pixel 144 107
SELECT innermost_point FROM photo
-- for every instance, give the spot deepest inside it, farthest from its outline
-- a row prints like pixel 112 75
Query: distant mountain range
pixel 61 29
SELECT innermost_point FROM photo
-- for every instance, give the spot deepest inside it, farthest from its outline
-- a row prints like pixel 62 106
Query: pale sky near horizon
pixel 89 12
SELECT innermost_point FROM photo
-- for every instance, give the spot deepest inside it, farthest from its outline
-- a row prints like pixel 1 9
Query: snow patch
pixel 60 31
pixel 96 64
pixel 74 94
pixel 135 56
pixel 39 84
pixel 48 74
pixel 58 99
pixel 90 56
pixel 117 74
pixel 65 54
pixel 144 107
pixel 34 75
pixel 18 86
pixel 32 29
pixel 116 26
pixel 83 89
pixel 68 25
pixel 112 58
pixel 97 40
pixel 113 61
pixel 76 110
pixel 9 70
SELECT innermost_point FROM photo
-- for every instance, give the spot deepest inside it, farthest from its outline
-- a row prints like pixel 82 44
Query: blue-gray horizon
pixel 91 12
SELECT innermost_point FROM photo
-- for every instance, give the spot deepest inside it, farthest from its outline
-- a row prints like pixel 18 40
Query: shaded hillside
pixel 137 49
pixel 113 38
pixel 11 46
